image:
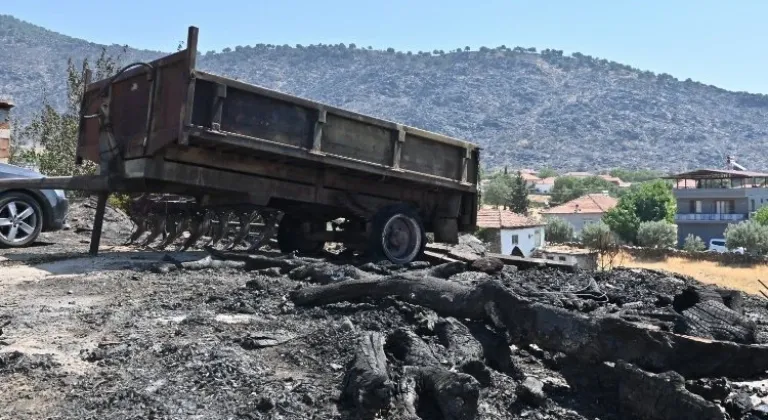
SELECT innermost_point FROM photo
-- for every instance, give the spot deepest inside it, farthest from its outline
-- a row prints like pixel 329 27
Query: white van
pixel 718 245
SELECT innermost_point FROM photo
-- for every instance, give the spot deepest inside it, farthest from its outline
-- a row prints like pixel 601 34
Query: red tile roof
pixel 550 180
pixel 529 177
pixel 498 218
pixel 590 204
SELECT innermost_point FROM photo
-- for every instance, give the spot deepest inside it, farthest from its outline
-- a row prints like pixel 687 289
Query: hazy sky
pixel 723 42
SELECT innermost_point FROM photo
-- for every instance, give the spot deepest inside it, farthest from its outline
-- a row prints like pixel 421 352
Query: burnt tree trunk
pixel 367 387
pixel 428 391
pixel 588 339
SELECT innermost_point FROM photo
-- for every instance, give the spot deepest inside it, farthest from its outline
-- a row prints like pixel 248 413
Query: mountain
pixel 525 108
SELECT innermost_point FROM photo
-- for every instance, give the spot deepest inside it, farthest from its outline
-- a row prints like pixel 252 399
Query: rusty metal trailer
pixel 167 127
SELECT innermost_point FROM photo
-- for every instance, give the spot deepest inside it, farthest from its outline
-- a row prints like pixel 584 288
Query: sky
pixel 722 43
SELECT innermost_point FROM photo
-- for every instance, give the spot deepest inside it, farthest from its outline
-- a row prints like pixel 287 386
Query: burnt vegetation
pixel 524 106
pixel 275 335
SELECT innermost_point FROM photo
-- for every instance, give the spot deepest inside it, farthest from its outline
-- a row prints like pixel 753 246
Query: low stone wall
pixel 727 258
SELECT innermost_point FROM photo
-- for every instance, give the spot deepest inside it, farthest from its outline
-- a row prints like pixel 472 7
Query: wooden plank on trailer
pixel 438 247
pixel 437 258
pixel 463 256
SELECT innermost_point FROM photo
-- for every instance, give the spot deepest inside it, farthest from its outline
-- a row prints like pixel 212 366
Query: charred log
pixel 408 347
pixel 172 264
pixel 693 295
pixel 367 388
pixel 643 395
pixel 432 392
pixel 712 319
pixel 588 339
pixel 455 337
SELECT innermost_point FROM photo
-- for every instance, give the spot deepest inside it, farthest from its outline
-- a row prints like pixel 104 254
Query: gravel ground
pixel 106 337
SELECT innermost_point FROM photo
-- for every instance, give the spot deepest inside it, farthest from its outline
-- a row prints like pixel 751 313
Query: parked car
pixel 718 245
pixel 24 213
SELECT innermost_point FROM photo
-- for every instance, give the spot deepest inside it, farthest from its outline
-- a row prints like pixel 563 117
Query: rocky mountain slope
pixel 524 107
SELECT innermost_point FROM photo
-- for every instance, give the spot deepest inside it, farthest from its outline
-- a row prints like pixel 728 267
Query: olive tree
pixel 694 243
pixel 657 234
pixel 558 230
pixel 750 234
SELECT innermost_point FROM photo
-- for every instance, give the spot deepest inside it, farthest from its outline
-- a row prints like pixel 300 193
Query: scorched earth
pixel 139 334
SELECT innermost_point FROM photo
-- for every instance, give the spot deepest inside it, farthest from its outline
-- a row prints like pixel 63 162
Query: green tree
pixel 623 221
pixel 518 200
pixel 761 216
pixel 52 134
pixel 694 243
pixel 653 201
pixel 567 188
pixel 748 234
pixel 642 175
pixel 647 202
pixel 498 190
pixel 547 173
pixel 558 230
pixel 657 234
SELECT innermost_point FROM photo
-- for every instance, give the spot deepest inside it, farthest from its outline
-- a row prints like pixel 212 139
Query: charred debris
pixel 484 339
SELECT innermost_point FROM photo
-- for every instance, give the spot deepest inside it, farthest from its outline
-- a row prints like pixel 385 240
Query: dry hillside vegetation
pixel 525 107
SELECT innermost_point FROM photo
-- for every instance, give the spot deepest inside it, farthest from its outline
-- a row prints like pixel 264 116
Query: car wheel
pixel 21 219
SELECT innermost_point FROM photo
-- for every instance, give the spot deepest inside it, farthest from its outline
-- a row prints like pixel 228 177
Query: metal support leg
pixel 98 222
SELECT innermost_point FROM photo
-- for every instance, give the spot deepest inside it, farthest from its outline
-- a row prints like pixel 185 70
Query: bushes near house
pixel 598 236
pixel 657 234
pixel 694 243
pixel 749 234
pixel 558 230
pixel 647 202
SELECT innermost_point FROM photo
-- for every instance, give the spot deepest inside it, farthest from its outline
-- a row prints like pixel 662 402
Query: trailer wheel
pixel 397 234
pixel 292 237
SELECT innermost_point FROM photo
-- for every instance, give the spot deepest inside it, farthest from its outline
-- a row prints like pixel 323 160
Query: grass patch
pixel 738 277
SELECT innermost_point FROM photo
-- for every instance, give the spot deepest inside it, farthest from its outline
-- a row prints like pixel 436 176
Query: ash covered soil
pixel 139 334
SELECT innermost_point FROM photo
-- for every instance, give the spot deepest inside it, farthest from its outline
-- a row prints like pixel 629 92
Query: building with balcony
pixel 708 200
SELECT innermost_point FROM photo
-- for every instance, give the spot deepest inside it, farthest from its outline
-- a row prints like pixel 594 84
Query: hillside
pixel 524 107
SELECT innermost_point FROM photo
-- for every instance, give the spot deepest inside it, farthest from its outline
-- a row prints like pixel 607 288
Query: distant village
pixel 707 202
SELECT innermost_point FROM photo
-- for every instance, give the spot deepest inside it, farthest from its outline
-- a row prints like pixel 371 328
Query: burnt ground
pixel 110 337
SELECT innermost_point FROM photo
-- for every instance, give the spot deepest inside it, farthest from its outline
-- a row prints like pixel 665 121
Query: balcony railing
pixel 721 217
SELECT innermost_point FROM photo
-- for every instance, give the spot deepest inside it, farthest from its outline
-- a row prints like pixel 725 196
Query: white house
pixel 544 186
pixel 505 231
pixel 582 211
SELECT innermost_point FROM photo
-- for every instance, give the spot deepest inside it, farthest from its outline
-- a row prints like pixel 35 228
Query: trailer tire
pixel 397 234
pixel 291 236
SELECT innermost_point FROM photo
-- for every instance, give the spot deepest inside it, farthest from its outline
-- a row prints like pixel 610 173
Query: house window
pixel 515 240
pixel 562 258
pixel 753 204
pixel 695 206
pixel 724 207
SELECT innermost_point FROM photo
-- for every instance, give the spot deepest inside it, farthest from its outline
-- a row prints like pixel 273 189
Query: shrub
pixel 558 230
pixel 748 234
pixel 761 216
pixel 657 234
pixel 694 243
pixel 598 236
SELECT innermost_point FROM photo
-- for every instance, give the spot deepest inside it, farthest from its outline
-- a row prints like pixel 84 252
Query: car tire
pixel 21 220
